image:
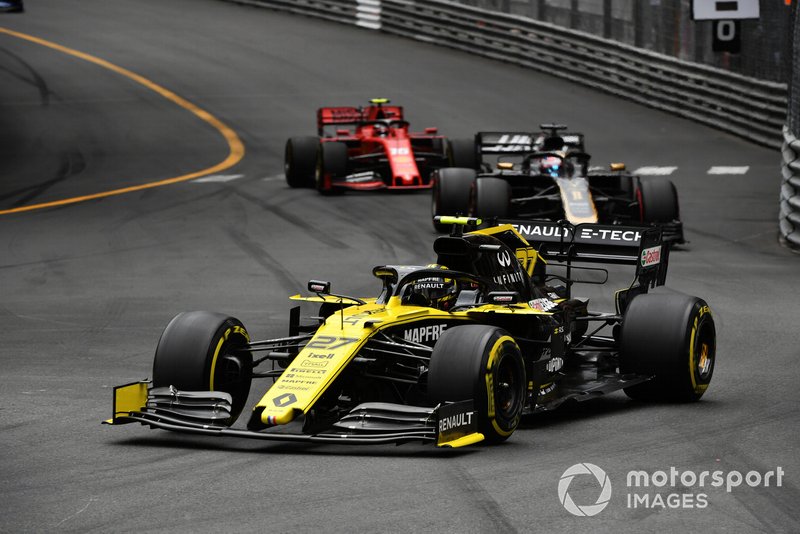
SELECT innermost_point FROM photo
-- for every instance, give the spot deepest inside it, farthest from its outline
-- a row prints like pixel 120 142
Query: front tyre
pixel 658 200
pixel 203 351
pixel 331 164
pixel 299 161
pixel 462 153
pixel 673 338
pixel 482 363
pixel 490 197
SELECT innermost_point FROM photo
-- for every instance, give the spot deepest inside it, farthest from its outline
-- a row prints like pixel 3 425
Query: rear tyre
pixel 490 197
pixel 451 189
pixel 482 363
pixel 462 153
pixel 300 160
pixel 673 337
pixel 659 200
pixel 199 351
pixel 331 164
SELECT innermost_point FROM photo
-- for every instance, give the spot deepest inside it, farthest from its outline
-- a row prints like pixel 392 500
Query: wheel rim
pixel 319 177
pixel 705 349
pixel 507 396
pixel 287 168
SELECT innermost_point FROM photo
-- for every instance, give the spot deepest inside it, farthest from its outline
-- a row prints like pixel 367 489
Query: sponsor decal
pixel 628 236
pixel 509 278
pixel 456 420
pixel 359 177
pixel 554 364
pixel 284 400
pixel 549 388
pixel 543 230
pixel 554 296
pixel 542 304
pixel 328 356
pixel 510 143
pixel 313 363
pixel 423 334
pixel 504 258
pixel 651 256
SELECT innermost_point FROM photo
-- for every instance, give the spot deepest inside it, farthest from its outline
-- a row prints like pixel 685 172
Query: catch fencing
pixel 789 215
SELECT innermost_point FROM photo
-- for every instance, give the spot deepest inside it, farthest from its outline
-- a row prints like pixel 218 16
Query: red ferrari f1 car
pixel 364 148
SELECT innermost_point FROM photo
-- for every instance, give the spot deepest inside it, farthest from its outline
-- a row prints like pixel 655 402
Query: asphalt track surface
pixel 86 288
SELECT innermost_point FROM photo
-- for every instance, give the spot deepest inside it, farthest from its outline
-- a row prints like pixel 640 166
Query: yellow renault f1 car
pixel 452 353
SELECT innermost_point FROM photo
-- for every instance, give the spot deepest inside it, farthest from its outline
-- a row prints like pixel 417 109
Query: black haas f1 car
pixel 364 149
pixel 451 353
pixel 546 175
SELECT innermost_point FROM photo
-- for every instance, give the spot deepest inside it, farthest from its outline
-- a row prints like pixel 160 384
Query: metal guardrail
pixel 747 107
pixel 790 190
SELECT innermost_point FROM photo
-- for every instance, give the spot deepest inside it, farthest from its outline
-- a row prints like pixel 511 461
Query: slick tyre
pixel 462 153
pixel 659 200
pixel 331 164
pixel 201 351
pixel 482 363
pixel 490 197
pixel 671 337
pixel 451 193
pixel 300 160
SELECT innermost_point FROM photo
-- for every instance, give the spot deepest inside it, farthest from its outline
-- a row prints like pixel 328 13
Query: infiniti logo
pixel 504 258
pixel 589 509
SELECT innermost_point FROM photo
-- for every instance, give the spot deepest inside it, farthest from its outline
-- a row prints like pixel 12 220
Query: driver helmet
pixel 555 167
pixel 381 128
pixel 434 291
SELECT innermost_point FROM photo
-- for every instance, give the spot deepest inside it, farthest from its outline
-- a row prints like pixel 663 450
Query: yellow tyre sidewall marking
pixel 490 370
pixel 240 330
pixel 235 145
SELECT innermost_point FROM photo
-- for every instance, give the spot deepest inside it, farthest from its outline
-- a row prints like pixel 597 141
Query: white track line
pixel 728 170
pixel 218 178
pixel 655 171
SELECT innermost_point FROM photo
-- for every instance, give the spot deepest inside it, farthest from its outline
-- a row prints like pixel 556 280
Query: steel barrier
pixel 750 108
pixel 790 190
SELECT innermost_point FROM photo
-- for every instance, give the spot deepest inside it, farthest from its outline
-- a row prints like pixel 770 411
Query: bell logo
pixel 589 509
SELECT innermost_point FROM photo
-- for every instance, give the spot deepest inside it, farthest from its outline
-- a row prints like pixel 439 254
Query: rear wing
pixel 526 142
pixel 561 241
pixel 349 115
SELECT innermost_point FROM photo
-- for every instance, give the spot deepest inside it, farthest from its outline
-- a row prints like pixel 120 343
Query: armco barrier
pixel 750 108
pixel 790 190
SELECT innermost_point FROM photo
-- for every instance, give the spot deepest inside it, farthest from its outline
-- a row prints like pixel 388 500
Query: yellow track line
pixel 235 145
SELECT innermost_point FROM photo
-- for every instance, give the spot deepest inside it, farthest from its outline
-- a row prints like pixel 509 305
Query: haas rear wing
pixel 641 246
pixel 526 142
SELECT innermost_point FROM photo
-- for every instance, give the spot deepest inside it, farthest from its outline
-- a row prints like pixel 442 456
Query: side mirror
pixel 617 166
pixel 319 286
pixel 431 130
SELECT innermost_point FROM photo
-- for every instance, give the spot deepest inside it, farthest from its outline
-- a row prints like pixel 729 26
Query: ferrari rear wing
pixel 561 241
pixel 350 115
